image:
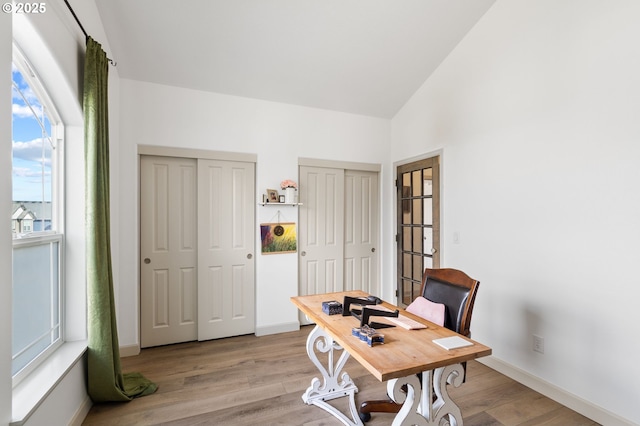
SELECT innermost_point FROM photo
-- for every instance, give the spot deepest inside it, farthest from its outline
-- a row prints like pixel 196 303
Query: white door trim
pixel 333 164
pixel 167 151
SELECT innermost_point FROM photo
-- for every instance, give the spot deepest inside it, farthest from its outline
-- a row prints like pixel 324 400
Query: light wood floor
pixel 251 380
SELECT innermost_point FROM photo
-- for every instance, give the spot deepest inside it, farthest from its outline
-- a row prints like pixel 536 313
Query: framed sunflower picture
pixel 278 238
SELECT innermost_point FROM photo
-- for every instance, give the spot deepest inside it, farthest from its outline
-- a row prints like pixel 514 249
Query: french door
pixel 418 227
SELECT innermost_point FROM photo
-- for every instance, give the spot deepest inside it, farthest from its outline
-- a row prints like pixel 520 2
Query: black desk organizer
pixel 365 314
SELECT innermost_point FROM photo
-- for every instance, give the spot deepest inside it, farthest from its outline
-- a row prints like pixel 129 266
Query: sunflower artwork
pixel 278 238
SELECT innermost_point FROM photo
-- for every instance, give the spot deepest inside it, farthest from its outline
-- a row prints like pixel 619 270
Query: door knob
pixel 304 253
pixel 249 256
pixel 147 261
pixel 433 250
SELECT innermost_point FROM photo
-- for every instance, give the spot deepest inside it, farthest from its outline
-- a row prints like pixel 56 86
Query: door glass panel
pixel 427 237
pixel 417 183
pixel 428 182
pixel 405 198
pixel 428 262
pixel 406 265
pixel 427 218
pixel 406 183
pixel 417 268
pixel 407 292
pixel 406 238
pixel 417 211
pixel 417 240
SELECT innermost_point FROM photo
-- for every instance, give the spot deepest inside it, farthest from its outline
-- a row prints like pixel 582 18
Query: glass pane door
pixel 418 225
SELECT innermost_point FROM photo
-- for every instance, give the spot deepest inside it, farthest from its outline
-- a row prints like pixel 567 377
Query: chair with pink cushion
pixel 449 287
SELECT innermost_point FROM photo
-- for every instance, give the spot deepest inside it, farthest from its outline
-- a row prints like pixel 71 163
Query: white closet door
pixel 321 239
pixel 226 287
pixel 168 250
pixel 361 231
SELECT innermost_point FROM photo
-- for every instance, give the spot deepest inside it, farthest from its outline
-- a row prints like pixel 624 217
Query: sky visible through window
pixel 31 146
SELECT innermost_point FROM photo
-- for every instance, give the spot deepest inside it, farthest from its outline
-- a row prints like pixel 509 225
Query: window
pixel 36 222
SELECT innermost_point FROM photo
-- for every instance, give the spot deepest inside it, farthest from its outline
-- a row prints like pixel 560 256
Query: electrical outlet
pixel 538 344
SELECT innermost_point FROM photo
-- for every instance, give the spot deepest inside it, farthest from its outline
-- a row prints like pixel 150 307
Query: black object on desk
pixel 367 313
pixel 348 301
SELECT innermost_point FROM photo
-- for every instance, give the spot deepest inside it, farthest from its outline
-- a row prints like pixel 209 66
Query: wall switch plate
pixel 538 344
pixel 456 237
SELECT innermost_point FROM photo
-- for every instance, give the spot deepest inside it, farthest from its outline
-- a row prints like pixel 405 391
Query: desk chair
pixel 457 291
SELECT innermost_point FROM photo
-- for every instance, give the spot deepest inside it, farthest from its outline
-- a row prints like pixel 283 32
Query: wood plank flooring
pixel 249 380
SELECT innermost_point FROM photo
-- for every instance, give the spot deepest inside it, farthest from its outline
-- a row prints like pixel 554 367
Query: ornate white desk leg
pixel 335 383
pixel 444 407
pixel 418 405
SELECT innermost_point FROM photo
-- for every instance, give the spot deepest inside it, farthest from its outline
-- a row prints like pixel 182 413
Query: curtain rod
pixel 111 61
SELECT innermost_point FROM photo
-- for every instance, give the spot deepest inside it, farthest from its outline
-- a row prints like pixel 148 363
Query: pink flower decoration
pixel 288 184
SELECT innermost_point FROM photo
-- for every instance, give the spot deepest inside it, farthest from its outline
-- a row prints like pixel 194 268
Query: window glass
pixel 32 159
pixel 37 246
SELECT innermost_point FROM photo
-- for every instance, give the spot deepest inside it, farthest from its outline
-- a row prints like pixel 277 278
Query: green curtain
pixel 105 379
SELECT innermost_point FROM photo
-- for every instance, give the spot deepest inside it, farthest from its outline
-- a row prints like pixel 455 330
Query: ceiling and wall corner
pixel 363 57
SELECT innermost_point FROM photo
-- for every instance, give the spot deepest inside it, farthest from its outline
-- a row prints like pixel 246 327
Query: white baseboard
pixel 81 412
pixel 133 350
pixel 129 350
pixel 278 328
pixel 574 402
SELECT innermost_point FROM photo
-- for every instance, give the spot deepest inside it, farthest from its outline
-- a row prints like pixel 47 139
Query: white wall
pixel 277 133
pixel 536 113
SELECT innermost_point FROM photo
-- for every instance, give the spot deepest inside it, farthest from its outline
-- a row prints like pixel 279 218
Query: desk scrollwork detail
pixel 427 406
pixel 335 383
pixel 334 379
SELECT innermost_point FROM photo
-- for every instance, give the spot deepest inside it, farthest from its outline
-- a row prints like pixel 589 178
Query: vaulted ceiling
pixel 358 56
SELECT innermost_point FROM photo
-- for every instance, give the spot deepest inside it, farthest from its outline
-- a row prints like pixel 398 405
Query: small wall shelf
pixel 279 204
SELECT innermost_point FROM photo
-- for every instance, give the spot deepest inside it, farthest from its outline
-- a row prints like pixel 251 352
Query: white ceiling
pixel 358 56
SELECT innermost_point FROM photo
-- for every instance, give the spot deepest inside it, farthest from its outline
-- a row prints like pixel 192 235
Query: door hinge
pixel 397 293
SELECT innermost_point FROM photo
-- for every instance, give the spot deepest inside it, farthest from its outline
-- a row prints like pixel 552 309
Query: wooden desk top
pixel 403 353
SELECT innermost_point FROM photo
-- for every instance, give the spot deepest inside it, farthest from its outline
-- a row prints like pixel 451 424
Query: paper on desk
pixel 406 322
pixel 401 321
pixel 452 342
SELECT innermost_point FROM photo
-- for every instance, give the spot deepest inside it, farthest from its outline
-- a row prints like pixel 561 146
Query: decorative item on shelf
pixel 272 196
pixel 289 188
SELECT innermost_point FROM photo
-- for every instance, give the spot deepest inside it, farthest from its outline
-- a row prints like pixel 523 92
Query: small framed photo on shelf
pixel 272 196
pixel 281 198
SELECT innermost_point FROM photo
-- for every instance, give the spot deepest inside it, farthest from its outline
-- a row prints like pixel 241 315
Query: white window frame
pixel 56 234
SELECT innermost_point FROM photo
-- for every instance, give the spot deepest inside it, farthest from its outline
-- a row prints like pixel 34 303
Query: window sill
pixel 34 389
